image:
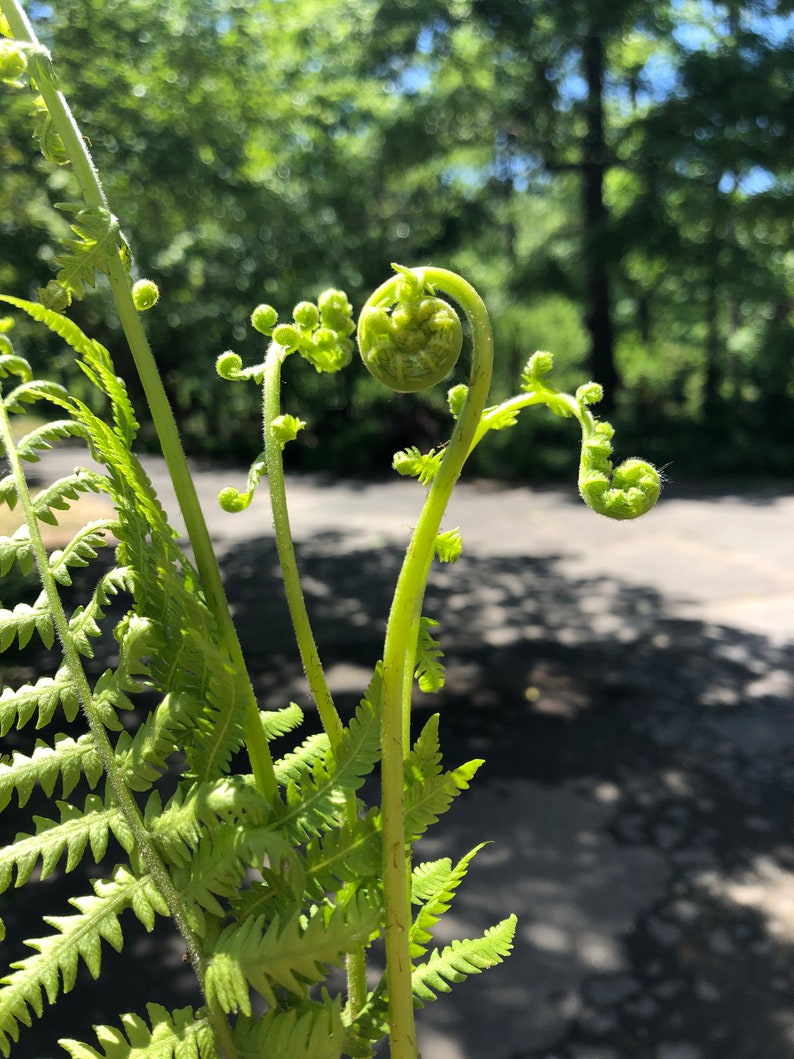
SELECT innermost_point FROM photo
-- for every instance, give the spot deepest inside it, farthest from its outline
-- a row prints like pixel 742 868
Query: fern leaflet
pixel 457 961
pixel 172 1035
pixel 53 968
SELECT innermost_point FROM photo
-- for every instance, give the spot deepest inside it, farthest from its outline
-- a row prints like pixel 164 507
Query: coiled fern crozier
pixel 275 875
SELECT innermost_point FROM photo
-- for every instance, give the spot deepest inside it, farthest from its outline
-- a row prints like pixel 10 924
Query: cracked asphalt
pixel 631 689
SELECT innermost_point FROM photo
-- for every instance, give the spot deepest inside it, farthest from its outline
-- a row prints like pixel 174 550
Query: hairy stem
pixel 296 602
pixel 271 408
pixel 121 792
pixel 162 415
pixel 399 659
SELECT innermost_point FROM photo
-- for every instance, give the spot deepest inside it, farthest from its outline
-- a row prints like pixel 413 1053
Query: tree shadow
pixel 637 794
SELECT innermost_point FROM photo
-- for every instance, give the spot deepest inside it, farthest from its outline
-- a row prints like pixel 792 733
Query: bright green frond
pixel 457 961
pixel 80 550
pixel 345 854
pixel 60 495
pixel 424 758
pixel 441 887
pixel 287 953
pixel 23 621
pixel 77 830
pixel 96 238
pixel 427 800
pixel 39 699
pixel 179 1034
pixel 53 968
pixel 47 435
pixel 68 760
pixel 429 667
pixel 16 549
pixel 317 798
pixel 279 722
pixel 308 1031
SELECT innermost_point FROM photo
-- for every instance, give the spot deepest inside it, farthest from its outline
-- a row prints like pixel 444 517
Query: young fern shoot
pixel 275 876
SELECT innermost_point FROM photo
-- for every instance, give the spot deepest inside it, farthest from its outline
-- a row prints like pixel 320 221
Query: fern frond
pixel 218 865
pixel 28 393
pixel 289 953
pixel 308 1031
pixel 318 797
pixel 178 828
pixel 302 759
pixel 178 1034
pixel 280 722
pixel 42 698
pixel 429 668
pixel 427 800
pixel 77 829
pixel 97 238
pixel 16 549
pixel 345 854
pixel 53 968
pixel 457 961
pixel 11 364
pixel 60 495
pixel 8 491
pixel 427 877
pixel 441 887
pixel 68 760
pixel 94 356
pixel 23 621
pixel 424 758
pixel 142 758
pixel 80 550
pixel 84 621
pixel 43 437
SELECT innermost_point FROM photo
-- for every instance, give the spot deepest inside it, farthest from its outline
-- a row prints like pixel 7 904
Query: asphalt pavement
pixel 630 686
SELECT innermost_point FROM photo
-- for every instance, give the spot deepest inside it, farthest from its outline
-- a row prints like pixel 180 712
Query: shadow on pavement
pixel 637 792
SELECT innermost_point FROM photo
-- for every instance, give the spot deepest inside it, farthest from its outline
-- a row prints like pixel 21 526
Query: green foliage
pixel 276 876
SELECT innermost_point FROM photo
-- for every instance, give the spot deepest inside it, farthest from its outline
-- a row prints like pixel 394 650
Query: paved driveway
pixel 630 687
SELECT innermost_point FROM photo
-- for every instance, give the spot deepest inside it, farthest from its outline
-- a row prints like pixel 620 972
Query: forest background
pixel 615 176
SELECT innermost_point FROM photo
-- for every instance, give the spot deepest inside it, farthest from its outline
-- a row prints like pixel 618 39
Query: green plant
pixel 271 877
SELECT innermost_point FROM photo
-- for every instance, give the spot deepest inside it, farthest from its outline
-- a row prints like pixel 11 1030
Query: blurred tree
pixel 615 174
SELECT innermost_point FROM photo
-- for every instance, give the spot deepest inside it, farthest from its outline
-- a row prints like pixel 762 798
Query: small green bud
pixel 590 393
pixel 229 364
pixel 145 294
pixel 287 336
pixel 414 344
pixel 232 500
pixel 264 319
pixel 286 428
pixel 540 363
pixel 456 398
pixel 306 316
pixel 336 312
pixel 448 546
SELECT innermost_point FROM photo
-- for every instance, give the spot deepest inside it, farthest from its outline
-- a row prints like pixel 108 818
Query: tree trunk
pixel 596 256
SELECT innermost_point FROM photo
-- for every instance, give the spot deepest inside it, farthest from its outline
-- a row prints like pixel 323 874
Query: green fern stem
pixel 103 746
pixel 310 657
pixel 296 602
pixel 400 653
pixel 93 193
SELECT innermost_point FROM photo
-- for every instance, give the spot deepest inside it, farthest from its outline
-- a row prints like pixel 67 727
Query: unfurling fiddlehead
pixel 408 338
